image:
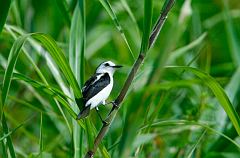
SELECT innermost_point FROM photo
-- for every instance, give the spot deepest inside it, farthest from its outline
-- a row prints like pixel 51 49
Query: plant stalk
pixel 117 103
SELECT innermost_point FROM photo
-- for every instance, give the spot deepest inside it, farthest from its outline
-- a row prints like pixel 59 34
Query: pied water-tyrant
pixel 97 88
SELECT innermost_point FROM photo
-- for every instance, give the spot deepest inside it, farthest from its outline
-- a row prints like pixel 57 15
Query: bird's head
pixel 107 67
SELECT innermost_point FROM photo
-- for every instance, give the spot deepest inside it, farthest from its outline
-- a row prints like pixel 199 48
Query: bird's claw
pixel 105 123
pixel 114 104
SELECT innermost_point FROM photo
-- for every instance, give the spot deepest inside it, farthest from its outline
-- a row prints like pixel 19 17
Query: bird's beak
pixel 117 66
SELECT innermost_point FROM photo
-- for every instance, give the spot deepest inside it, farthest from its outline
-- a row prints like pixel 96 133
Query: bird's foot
pixel 114 105
pixel 105 123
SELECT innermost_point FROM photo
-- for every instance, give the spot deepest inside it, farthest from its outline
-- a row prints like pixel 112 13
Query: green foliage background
pixel 184 101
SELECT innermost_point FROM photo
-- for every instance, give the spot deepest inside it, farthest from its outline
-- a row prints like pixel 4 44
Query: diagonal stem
pixel 157 28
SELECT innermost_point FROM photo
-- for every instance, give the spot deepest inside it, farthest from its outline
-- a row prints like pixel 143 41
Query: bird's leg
pixel 115 106
pixel 104 122
pixel 113 103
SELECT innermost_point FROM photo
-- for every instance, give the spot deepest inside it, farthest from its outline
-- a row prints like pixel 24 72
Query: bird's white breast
pixel 101 96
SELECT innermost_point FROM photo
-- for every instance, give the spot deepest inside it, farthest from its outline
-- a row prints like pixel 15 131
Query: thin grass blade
pixel 233 39
pixel 218 91
pixel 60 59
pixel 76 60
pixel 3 147
pixel 63 7
pixel 10 66
pixel 14 31
pixel 11 132
pixel 9 140
pixel 56 54
pixel 114 18
pixel 186 122
pixel 196 144
pixel 178 52
pixel 41 136
pixel 4 8
pixel 147 24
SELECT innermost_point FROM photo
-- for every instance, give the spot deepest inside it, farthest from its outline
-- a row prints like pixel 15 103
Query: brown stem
pixel 161 20
pixel 168 5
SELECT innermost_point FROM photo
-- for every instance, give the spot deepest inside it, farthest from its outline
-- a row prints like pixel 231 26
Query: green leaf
pixel 12 59
pixel 109 9
pixel 61 97
pixel 178 52
pixel 56 54
pixel 77 42
pixel 3 147
pixel 60 59
pixel 62 5
pixel 76 60
pixel 232 38
pixel 147 24
pixel 143 139
pixel 44 88
pixel 9 140
pixel 186 122
pixel 196 144
pixel 41 136
pixel 4 8
pixel 218 91
pixel 14 31
pixel 10 132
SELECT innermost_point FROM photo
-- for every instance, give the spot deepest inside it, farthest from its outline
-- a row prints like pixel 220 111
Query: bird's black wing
pixel 94 85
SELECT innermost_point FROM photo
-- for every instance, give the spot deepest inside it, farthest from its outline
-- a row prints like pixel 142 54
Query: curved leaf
pixel 217 90
pixel 4 8
pixel 56 53
pixel 109 9
pixel 185 122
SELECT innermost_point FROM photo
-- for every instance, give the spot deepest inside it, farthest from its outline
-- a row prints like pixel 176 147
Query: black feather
pixel 84 113
pixel 94 86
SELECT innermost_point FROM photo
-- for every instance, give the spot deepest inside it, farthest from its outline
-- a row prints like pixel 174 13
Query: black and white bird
pixel 97 89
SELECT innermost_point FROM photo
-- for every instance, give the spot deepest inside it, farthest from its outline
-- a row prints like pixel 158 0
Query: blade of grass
pixel 217 18
pixel 50 65
pixel 196 144
pixel 56 94
pixel 9 140
pixel 76 60
pixel 3 148
pixel 62 5
pixel 57 55
pixel 233 40
pixel 46 88
pixel 54 50
pixel 4 8
pixel 186 122
pixel 77 42
pixel 147 24
pixel 50 91
pixel 60 59
pixel 218 91
pixel 15 122
pixel 178 52
pixel 41 136
pixel 110 11
pixel 13 30
pixel 11 64
pixel 129 11
pixel 15 129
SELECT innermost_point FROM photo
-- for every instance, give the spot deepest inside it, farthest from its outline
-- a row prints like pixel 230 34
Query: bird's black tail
pixel 80 103
pixel 84 112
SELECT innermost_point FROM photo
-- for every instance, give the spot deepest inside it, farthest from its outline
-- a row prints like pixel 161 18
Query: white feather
pixel 101 97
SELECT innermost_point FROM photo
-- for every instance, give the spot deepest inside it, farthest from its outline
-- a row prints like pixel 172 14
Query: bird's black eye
pixel 107 64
